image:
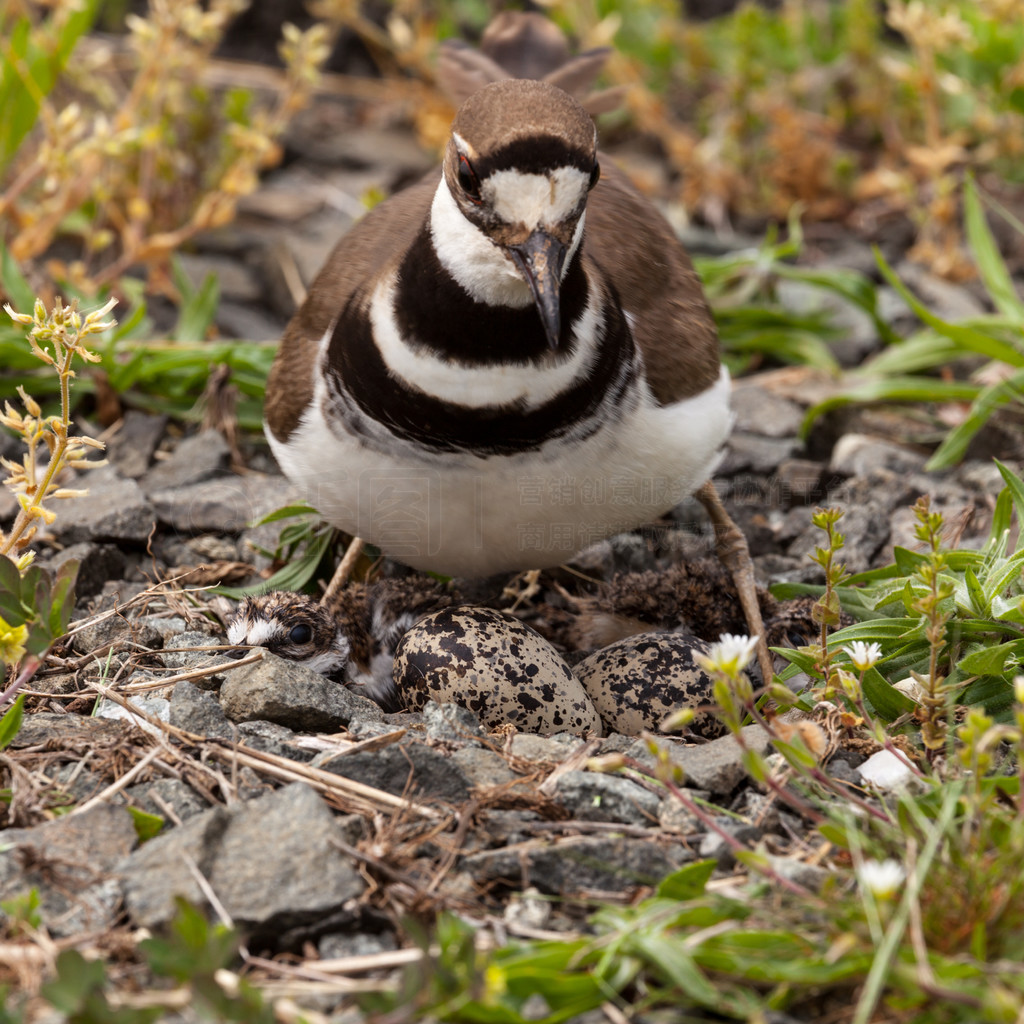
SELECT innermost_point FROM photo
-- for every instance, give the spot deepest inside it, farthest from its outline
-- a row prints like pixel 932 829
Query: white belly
pixel 466 515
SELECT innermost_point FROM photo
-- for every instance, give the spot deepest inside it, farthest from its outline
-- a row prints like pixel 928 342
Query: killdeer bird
pixel 509 360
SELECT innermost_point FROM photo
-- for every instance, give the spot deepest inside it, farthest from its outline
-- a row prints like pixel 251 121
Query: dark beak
pixel 540 260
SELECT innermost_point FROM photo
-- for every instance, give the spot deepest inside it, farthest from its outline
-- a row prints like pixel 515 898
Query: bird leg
pixel 342 573
pixel 734 554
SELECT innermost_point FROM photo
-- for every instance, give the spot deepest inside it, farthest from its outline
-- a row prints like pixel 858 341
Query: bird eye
pixel 301 634
pixel 468 181
pixel 595 175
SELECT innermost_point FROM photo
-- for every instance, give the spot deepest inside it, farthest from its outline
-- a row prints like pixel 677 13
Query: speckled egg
pixel 497 667
pixel 637 682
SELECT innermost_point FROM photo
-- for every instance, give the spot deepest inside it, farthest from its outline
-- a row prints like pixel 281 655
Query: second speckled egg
pixel 637 682
pixel 496 666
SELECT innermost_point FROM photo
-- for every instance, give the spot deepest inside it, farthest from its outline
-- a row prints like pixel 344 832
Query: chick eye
pixel 301 634
pixel 468 181
pixel 595 175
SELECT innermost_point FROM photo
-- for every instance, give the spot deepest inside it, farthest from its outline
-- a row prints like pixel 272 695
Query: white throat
pixel 474 261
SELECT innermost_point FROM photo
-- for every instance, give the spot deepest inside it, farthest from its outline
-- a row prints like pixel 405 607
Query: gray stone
pixel 675 816
pixel 449 723
pixel 717 846
pixel 273 739
pixel 797 482
pixel 336 946
pixel 506 828
pixel 411 768
pixel 97 563
pixel 198 711
pixel 228 505
pixel 752 453
pixel 945 299
pixel 857 333
pixel 167 798
pixel 483 767
pixel 195 459
pixel 70 733
pixel 272 862
pixel 131 448
pixel 165 626
pixel 810 876
pixel 114 509
pixel 126 634
pixel 77 782
pixel 861 454
pixel 591 796
pixel 716 766
pixel 234 279
pixel 537 749
pixel 250 321
pixel 579 864
pixel 184 660
pixel 151 707
pixel 292 695
pixel 207 547
pixel 762 412
pixel 69 861
pixel 865 527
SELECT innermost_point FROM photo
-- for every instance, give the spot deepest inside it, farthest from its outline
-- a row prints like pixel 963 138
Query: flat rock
pixel 69 861
pixel 861 454
pixel 483 767
pixel 131 448
pixel 195 459
pixel 77 733
pixel 115 509
pixel 579 864
pixel 167 798
pixel 291 695
pixel 590 796
pixel 716 766
pixel 126 634
pixel 450 723
pixel 272 862
pixel 228 505
pixel 752 453
pixel 198 711
pixel 274 739
pixel 762 412
pixel 413 768
pixel 152 707
pixel 97 563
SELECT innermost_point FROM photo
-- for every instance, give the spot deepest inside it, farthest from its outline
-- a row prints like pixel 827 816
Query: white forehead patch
pixel 259 631
pixel 535 200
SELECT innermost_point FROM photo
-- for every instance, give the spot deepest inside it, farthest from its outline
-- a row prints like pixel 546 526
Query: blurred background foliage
pixel 125 134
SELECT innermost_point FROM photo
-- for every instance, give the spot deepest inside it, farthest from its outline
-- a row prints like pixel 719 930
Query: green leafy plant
pixel 901 371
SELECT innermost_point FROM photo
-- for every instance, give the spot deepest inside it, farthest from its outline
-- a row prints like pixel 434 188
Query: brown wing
pixel 633 244
pixel 361 254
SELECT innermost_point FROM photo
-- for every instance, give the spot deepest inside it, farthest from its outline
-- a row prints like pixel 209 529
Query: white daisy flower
pixel 730 655
pixel 863 655
pixel 882 878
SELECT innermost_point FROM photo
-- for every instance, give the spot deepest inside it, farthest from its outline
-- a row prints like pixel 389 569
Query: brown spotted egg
pixel 638 682
pixel 491 663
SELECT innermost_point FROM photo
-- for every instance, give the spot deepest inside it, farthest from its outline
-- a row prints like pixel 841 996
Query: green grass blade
pixel 968 338
pixel 895 389
pixel 956 442
pixel 990 263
